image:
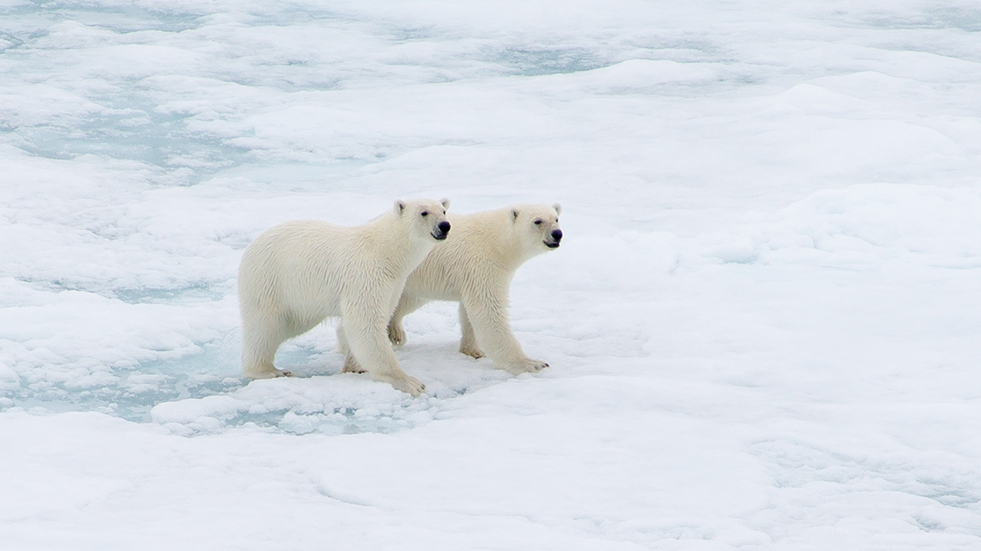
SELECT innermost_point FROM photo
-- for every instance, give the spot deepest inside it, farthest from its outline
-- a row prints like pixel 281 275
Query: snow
pixel 763 324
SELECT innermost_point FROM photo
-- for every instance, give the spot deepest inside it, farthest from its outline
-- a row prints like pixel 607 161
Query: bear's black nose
pixel 557 235
pixel 443 226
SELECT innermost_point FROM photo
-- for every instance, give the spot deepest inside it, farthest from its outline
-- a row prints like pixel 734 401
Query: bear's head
pixel 425 217
pixel 538 226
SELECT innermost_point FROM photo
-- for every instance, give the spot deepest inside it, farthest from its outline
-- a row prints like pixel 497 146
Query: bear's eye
pixel 425 213
pixel 538 222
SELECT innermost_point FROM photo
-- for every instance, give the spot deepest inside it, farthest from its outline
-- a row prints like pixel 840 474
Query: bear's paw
pixel 396 334
pixel 527 365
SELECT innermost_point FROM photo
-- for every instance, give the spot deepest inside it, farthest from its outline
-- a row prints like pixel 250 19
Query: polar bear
pixel 295 275
pixel 475 267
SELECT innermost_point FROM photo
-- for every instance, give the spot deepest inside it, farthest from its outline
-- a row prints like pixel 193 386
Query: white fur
pixel 474 267
pixel 296 274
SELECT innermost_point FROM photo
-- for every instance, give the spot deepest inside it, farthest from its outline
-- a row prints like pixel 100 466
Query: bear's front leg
pixel 367 341
pixel 403 382
pixel 350 364
pixel 396 333
pixel 269 374
pixel 468 342
pixel 406 305
pixel 526 365
pixel 489 321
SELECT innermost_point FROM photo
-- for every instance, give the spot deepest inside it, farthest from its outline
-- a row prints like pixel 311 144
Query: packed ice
pixel 763 323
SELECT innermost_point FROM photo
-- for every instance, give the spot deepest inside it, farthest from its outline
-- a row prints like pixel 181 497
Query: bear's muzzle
pixel 442 229
pixel 556 238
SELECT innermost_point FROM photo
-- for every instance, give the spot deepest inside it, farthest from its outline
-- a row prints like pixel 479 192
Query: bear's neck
pixel 409 252
pixel 511 251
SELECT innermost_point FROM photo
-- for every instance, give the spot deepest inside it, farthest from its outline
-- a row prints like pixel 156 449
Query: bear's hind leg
pixel 259 344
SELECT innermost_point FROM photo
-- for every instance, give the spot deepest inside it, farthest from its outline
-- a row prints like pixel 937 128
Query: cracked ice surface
pixel 763 325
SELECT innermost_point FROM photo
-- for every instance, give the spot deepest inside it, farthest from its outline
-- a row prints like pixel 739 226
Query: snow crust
pixel 763 324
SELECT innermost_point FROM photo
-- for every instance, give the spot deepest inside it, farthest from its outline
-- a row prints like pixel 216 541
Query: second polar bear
pixel 475 267
pixel 295 275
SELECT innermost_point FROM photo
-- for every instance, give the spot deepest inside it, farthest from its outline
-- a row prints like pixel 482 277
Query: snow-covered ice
pixel 764 323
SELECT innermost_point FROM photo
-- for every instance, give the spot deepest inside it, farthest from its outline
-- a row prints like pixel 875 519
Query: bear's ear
pixel 514 214
pixel 558 208
pixel 445 202
pixel 399 207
